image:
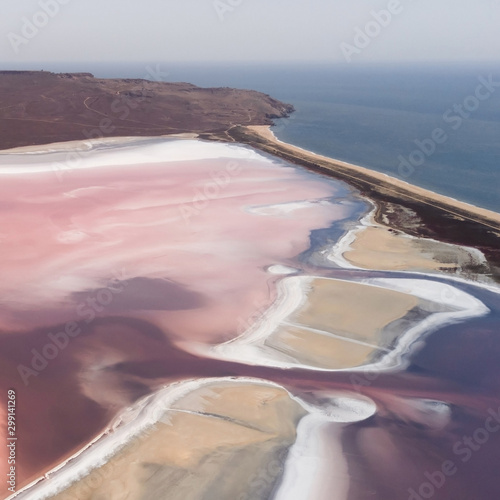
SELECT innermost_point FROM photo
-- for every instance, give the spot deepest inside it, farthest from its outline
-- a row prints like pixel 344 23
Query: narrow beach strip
pixel 371 182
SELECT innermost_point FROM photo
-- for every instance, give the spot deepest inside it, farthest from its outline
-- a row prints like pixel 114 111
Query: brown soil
pixel 42 107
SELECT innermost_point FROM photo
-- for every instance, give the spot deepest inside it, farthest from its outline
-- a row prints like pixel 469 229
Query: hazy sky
pixel 256 30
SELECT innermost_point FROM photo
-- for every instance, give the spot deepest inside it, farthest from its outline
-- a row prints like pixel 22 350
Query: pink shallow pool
pixel 211 226
pixel 125 262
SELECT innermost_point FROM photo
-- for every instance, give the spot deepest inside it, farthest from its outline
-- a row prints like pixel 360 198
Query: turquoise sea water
pixel 373 116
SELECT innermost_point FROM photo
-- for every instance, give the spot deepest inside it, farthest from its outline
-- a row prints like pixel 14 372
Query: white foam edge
pixel 306 467
pixel 336 255
pixel 127 153
pixel 293 291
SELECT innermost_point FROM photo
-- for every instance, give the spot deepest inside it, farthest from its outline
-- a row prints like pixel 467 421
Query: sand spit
pixel 316 466
pixel 376 247
pixel 275 339
pixel 378 182
pixel 187 436
pixel 330 331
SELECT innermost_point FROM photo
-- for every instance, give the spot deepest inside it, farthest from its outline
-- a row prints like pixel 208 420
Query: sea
pixel 435 126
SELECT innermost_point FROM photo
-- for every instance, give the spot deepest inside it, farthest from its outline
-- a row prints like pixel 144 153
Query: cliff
pixel 43 107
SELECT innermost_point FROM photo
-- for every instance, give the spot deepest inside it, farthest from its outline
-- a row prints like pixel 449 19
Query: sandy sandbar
pixel 349 171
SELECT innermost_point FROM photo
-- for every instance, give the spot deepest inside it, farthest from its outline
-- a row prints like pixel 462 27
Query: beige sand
pixel 379 248
pixel 353 310
pixel 342 324
pixel 320 351
pixel 221 441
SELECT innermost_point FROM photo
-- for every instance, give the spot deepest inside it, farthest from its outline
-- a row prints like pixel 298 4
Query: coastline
pixel 398 205
pixel 373 178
